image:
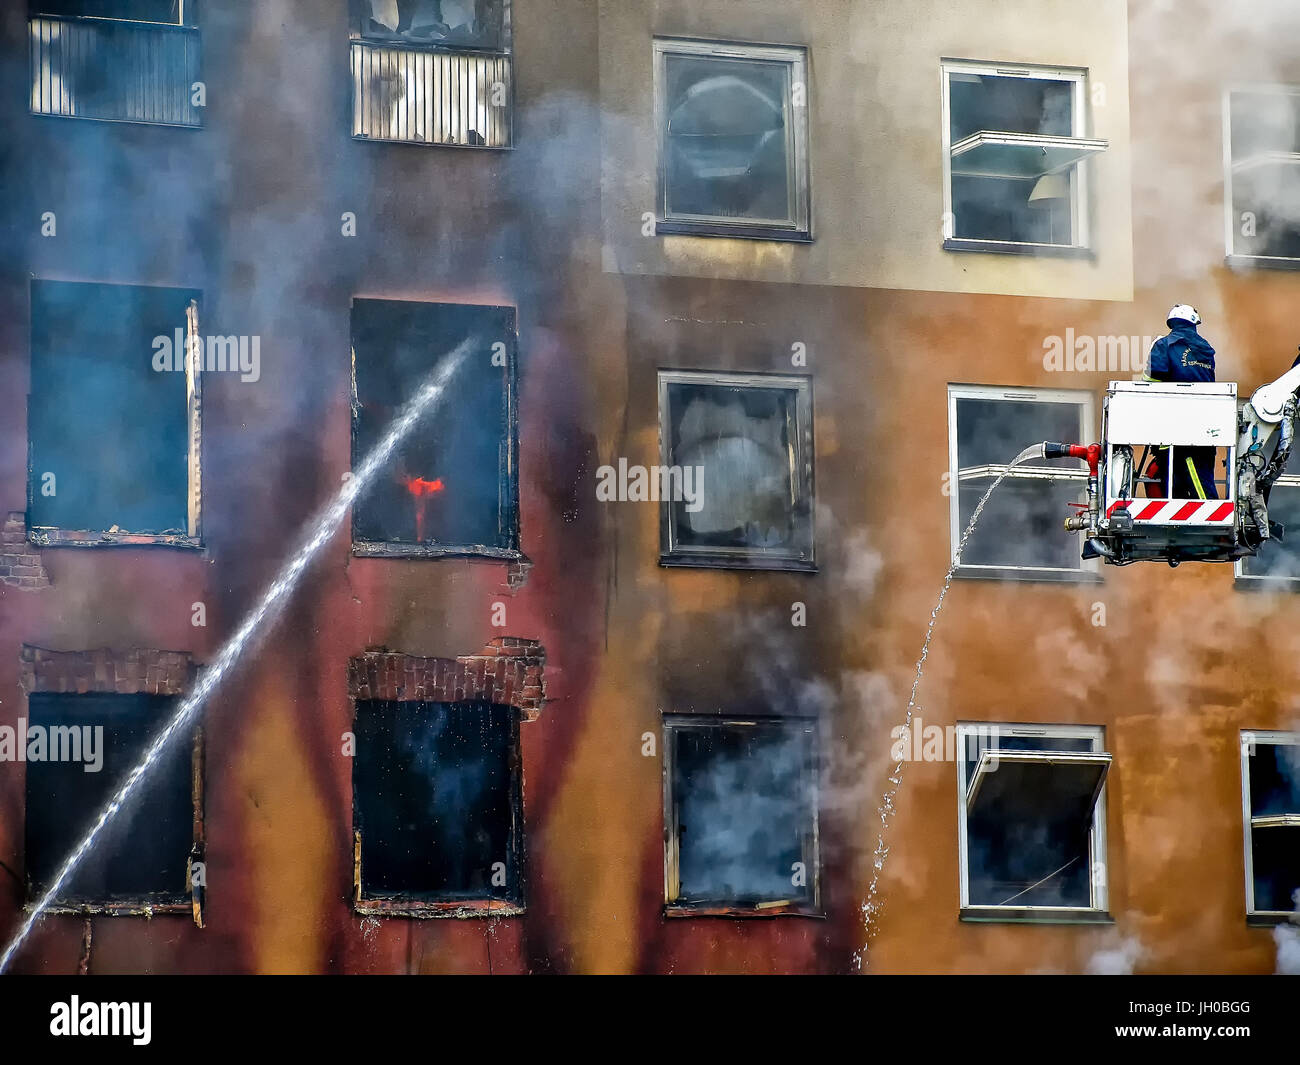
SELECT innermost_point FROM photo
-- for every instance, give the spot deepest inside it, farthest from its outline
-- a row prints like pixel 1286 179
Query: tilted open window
pixel 740 816
pixel 89 743
pixel 450 487
pixel 116 60
pixel 1270 800
pixel 438 796
pixel 733 139
pixel 113 441
pixel 433 72
pixel 1032 822
pixel 1015 157
pixel 1262 181
pixel 740 446
pixel 1019 535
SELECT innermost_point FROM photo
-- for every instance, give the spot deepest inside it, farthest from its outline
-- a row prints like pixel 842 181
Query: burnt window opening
pixel 451 487
pixel 740 813
pixel 1270 771
pixel 1262 183
pixel 733 139
pixel 1019 535
pixel 116 60
pixel 1278 563
pixel 1014 150
pixel 434 72
pixel 438 797
pixel 113 440
pixel 141 858
pixel 1032 824
pixel 736 479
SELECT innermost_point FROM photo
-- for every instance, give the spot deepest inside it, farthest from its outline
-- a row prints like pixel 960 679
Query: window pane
pixel 112 430
pixel 742 438
pixel 455 23
pixel 450 484
pixel 1021 523
pixel 727 143
pixel 1012 105
pixel 435 794
pixel 745 812
pixel 1275 854
pixel 134 10
pixel 1271 192
pixel 142 853
pixel 1275 779
pixel 1263 122
pixel 1279 559
pixel 997 208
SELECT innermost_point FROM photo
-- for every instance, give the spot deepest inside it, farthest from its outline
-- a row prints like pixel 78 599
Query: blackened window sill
pixel 1030 915
pixel 1008 247
pixel 447 908
pixel 370 549
pixel 791 909
pixel 698 561
pixel 1028 576
pixel 45 537
pixel 670 228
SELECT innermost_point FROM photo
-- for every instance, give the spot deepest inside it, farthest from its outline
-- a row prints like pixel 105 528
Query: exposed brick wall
pixel 508 671
pixel 127 672
pixel 20 563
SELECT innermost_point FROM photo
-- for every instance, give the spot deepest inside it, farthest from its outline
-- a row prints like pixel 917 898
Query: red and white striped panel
pixel 1182 511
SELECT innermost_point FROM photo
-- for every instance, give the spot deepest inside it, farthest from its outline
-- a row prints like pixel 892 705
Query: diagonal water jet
pixel 255 623
pixel 871 906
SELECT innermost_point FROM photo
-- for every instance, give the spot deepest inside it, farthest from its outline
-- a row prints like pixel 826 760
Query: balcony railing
pixel 431 95
pixel 114 70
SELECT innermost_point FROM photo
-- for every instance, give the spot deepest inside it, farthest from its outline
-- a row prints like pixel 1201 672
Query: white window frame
pixel 1088 569
pixel 1232 257
pixel 1080 229
pixel 1289 481
pixel 1250 738
pixel 1098 865
pixel 799 228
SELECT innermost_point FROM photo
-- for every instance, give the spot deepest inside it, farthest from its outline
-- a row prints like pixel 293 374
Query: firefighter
pixel 1183 355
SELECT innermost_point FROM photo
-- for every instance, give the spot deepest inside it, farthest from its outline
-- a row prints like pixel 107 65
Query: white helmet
pixel 1183 312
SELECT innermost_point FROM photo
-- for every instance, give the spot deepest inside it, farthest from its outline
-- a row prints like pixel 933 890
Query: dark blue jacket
pixel 1183 355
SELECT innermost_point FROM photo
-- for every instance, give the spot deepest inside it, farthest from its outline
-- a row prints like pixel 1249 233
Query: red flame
pixel 420 490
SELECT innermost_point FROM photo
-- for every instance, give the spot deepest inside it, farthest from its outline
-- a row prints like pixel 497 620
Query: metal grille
pixel 114 70
pixel 431 96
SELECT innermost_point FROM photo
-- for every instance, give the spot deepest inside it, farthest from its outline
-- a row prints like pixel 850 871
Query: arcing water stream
pixel 255 623
pixel 871 906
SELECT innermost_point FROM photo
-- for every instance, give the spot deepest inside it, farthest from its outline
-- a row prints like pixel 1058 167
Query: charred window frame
pixel 451 489
pixel 1277 566
pixel 458 854
pixel 116 60
pixel 99 345
pixel 1261 176
pixel 1020 783
pixel 1019 536
pixel 703 755
pixel 755 137
pixel 143 861
pixel 1015 182
pixel 718 424
pixel 420 78
pixel 1270 808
